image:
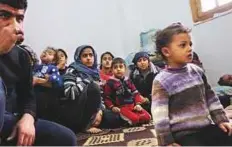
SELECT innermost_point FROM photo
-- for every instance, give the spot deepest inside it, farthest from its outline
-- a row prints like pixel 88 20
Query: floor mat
pixel 133 136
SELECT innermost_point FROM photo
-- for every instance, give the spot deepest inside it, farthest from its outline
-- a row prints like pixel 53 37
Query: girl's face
pixel 143 64
pixel 61 57
pixel 106 61
pixel 87 57
pixel 179 51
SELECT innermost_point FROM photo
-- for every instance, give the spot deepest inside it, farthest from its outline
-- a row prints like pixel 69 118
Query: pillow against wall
pixel 129 58
pixel 157 60
pixel 223 90
pixel 147 41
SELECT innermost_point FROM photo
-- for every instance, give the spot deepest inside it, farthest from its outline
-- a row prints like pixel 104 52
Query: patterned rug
pixel 134 136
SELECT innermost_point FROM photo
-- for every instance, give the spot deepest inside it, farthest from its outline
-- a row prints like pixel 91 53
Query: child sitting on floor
pixel 105 66
pixel 182 100
pixel 121 96
pixel 82 108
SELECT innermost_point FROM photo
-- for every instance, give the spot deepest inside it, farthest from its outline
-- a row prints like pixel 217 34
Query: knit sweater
pixel 182 102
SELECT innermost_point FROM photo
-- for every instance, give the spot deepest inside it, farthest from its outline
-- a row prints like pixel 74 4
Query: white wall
pixel 112 25
pixel 214 45
pixel 70 23
pixel 115 25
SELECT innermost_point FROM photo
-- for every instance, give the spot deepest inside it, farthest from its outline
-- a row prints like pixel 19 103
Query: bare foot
pixel 93 130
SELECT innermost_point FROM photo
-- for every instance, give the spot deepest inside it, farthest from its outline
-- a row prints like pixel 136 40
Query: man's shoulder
pixel 17 53
pixel 21 51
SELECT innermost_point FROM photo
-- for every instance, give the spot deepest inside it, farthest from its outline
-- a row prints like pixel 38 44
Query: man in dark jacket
pixel 20 124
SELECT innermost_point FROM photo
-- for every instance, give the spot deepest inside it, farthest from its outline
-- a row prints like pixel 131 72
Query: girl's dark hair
pixel 63 51
pixel 195 56
pixel 164 37
pixel 18 4
pixel 109 53
pixel 118 60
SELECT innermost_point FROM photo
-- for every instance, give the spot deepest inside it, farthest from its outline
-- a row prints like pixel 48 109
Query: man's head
pixel 18 4
pixel 225 80
pixel 49 55
pixel 118 67
pixel 11 22
pixel 174 43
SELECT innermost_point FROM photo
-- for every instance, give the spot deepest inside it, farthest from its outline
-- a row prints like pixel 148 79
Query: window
pixel 205 9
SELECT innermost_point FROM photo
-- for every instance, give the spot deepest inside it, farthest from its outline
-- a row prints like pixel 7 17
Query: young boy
pixel 47 71
pixel 182 99
pixel 121 96
pixel 142 76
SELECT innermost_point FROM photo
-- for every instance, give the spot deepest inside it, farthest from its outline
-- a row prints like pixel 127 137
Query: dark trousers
pixel 46 102
pixel 225 100
pixel 47 133
pixel 208 136
pixel 111 120
pixel 76 114
pixel 147 107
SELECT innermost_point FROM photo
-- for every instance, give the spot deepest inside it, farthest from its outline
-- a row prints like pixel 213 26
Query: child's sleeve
pixel 216 110
pixel 55 77
pixel 107 95
pixel 73 84
pixel 160 114
pixel 36 69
